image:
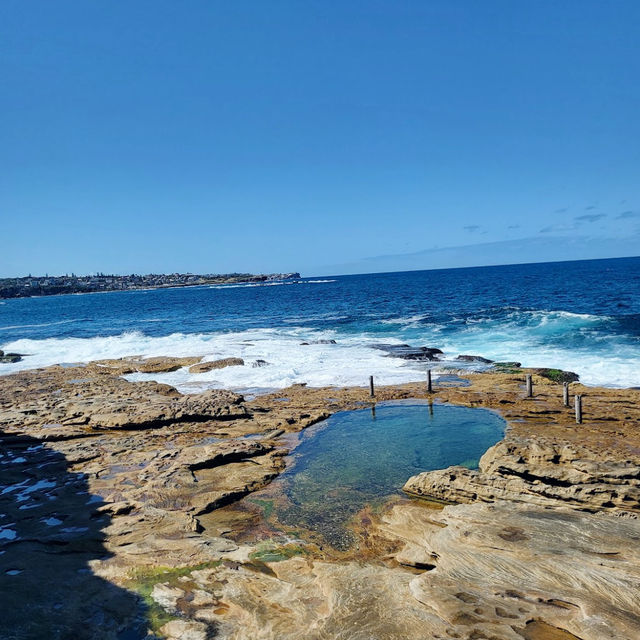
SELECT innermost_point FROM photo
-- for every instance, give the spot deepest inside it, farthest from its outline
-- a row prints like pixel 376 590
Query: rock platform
pixel 115 518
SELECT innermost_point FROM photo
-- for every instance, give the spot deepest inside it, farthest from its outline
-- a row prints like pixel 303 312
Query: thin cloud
pixel 472 228
pixel 513 226
pixel 590 217
pixel 591 207
pixel 561 210
pixel 557 227
pixel 628 214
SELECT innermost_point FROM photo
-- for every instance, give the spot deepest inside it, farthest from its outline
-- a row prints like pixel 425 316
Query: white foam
pixel 535 339
pixel 525 336
pixel 349 362
pixel 248 285
pixel 408 320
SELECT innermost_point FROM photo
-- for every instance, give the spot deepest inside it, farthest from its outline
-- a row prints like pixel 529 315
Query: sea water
pixel 581 316
pixel 358 458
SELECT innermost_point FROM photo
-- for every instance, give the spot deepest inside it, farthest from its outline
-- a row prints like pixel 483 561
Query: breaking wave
pixel 524 313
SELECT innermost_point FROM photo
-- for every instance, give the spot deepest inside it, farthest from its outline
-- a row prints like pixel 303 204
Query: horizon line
pixel 322 275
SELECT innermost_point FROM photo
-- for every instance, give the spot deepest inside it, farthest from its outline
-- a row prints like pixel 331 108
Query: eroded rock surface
pixel 498 568
pixel 537 472
pixel 210 365
pixel 111 491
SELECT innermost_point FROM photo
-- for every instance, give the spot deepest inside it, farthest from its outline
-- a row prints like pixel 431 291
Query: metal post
pixel 565 394
pixel 429 384
pixel 578 409
pixel 529 386
pixel 371 387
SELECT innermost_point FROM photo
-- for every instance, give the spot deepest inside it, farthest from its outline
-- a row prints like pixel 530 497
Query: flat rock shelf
pixel 133 511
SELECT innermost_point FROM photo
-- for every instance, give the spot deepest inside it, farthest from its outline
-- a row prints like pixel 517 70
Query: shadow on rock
pixel 50 530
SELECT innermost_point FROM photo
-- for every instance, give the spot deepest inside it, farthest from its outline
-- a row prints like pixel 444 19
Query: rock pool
pixel 359 458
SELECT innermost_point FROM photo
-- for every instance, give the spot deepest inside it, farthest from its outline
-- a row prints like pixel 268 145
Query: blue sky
pixel 311 136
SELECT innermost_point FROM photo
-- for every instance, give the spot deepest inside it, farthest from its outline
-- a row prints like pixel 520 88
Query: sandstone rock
pixel 183 630
pixel 136 364
pixel 203 367
pixel 202 598
pixel 504 571
pixel 167 597
pixel 538 473
pixel 201 478
pixel 130 410
pixel 135 463
pixel 500 567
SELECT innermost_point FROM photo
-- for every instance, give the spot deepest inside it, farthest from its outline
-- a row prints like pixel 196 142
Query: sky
pixel 316 136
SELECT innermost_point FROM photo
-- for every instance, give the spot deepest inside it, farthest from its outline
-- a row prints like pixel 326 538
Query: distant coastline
pixel 35 286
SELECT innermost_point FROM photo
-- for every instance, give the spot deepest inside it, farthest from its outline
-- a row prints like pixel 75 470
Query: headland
pixel 30 286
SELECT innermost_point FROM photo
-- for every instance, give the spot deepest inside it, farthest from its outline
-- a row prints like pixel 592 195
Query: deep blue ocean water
pixel 582 316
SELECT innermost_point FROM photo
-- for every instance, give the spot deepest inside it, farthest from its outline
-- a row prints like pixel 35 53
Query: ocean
pixel 580 316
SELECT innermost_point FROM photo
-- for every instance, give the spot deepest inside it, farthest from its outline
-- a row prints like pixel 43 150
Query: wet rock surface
pixel 407 352
pixel 10 357
pixel 470 358
pixel 125 511
pixel 203 367
pixel 136 364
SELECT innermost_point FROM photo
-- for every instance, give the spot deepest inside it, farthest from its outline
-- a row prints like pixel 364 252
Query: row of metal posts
pixel 372 390
pixel 565 397
pixel 529 383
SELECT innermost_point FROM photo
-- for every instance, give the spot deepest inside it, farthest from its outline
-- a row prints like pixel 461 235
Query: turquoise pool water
pixel 356 458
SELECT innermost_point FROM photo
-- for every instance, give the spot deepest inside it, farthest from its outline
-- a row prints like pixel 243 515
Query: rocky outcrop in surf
pixel 407 352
